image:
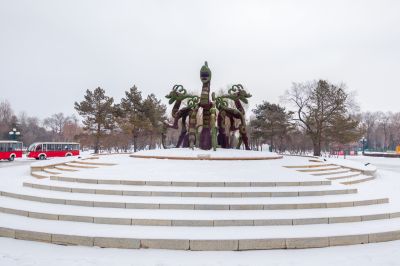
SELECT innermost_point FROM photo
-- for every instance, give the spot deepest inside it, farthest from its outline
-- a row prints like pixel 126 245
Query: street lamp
pixel 14 133
pixel 363 140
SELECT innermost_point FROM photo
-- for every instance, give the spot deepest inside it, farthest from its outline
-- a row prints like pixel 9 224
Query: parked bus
pixel 43 150
pixel 9 150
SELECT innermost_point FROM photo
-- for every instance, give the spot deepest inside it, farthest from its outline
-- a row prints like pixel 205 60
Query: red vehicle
pixel 43 150
pixel 9 150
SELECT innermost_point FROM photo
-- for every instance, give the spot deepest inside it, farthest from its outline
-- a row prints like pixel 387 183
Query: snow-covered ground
pixel 17 252
pixel 198 153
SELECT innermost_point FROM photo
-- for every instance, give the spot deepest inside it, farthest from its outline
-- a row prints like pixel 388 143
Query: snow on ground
pixel 16 252
pixel 185 152
pixel 178 170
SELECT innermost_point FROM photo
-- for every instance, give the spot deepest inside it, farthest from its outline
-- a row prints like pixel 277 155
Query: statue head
pixel 178 92
pixel 237 92
pixel 205 73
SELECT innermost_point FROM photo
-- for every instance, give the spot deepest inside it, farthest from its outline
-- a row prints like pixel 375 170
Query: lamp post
pixel 14 133
pixel 363 140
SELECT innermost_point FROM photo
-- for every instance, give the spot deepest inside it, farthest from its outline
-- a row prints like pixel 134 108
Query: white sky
pixel 52 51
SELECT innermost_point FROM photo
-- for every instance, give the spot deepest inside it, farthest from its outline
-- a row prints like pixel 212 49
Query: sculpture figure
pixel 213 133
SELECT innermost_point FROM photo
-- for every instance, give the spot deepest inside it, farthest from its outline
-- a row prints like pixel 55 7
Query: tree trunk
pixel 97 140
pixel 134 138
pixel 317 147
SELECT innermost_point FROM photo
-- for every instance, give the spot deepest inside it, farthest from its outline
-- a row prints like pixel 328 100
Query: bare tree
pixel 6 115
pixel 318 105
pixel 56 123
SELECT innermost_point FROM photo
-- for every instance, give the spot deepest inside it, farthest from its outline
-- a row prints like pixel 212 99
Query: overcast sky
pixel 52 51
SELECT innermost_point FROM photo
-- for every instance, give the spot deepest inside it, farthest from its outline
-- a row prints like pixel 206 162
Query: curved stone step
pixel 51 171
pixel 197 238
pixel 65 168
pixel 309 166
pixel 335 172
pixel 83 166
pixel 190 203
pixel 187 218
pixel 191 183
pixel 349 175
pixel 199 191
pixel 360 180
pixel 41 174
pixel 315 169
pixel 94 163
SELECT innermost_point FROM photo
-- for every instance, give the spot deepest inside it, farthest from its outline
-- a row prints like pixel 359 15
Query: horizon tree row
pixel 324 116
pixel 134 122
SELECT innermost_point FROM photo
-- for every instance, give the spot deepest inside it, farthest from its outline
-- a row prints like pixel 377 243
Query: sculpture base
pixel 198 154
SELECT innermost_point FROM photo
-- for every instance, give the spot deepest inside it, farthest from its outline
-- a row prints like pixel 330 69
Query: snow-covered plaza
pixel 200 212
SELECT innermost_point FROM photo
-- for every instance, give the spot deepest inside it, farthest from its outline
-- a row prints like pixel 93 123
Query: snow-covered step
pixel 322 169
pixel 358 179
pixel 65 168
pixel 41 174
pixel 51 171
pixel 333 172
pixel 344 176
pixel 194 217
pixel 198 238
pixel 90 162
pixel 192 203
pixel 315 165
pixel 193 183
pixel 83 166
pixel 231 192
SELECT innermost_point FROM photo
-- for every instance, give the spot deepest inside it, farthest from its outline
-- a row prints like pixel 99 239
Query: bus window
pixel 31 147
pixel 39 147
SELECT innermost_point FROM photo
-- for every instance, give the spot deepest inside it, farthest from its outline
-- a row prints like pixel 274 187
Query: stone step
pixel 141 182
pixel 344 176
pixel 194 218
pixel 315 169
pixel 360 179
pixel 190 203
pixel 65 168
pixel 230 192
pixel 318 165
pixel 198 238
pixel 51 171
pixel 83 166
pixel 41 174
pixel 85 162
pixel 335 172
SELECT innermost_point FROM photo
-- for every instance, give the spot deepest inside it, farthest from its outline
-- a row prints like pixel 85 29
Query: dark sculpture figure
pixel 213 133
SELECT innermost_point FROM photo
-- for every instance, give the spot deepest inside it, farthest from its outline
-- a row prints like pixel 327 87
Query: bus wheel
pixel 42 157
pixel 11 158
pixel 68 155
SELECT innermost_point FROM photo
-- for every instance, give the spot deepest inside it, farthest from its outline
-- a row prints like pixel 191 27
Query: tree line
pixel 57 127
pixel 315 116
pixel 134 122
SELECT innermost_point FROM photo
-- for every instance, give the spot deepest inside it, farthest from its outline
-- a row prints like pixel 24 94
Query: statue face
pixel 205 73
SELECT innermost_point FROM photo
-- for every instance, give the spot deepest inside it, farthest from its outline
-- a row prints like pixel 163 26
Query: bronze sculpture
pixel 214 115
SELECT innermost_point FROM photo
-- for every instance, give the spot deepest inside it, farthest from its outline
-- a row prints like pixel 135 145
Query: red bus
pixel 9 150
pixel 43 150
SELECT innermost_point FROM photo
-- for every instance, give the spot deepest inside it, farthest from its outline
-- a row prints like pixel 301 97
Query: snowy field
pixel 17 252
